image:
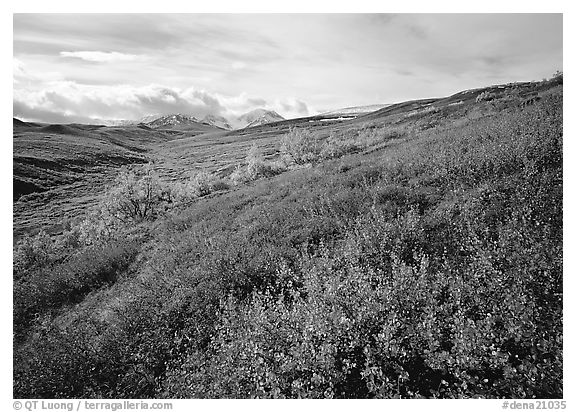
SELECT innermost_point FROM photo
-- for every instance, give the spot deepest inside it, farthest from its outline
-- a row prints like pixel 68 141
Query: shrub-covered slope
pixel 424 265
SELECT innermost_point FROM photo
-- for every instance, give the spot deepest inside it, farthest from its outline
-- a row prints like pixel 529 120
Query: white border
pixel 303 6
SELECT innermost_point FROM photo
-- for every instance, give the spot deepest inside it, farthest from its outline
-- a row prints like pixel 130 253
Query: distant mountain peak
pixel 252 118
pixel 218 121
pixel 258 117
pixel 176 119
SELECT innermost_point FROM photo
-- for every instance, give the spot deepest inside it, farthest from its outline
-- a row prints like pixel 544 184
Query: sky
pixel 71 68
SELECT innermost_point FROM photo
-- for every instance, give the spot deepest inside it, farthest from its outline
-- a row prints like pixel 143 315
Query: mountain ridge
pixel 256 117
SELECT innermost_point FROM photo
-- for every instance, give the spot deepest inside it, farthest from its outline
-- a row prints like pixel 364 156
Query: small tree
pixel 202 184
pixel 301 146
pixel 135 196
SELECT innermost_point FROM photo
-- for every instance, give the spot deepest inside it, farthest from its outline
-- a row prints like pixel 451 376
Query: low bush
pixel 54 286
pixel 485 96
pixel 199 185
pixel 256 167
pixel 301 146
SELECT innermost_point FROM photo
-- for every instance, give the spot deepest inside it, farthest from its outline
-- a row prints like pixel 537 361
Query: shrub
pixel 220 185
pixel 135 196
pixel 485 96
pixel 256 167
pixel 335 147
pixel 301 146
pixel 32 252
pixel 100 226
pixel 200 184
pixel 51 287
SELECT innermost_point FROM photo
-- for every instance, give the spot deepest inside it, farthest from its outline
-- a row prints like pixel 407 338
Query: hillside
pixel 354 111
pixel 411 252
pixel 180 145
pixel 60 170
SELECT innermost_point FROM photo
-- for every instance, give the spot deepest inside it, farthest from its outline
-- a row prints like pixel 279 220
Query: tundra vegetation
pixel 381 264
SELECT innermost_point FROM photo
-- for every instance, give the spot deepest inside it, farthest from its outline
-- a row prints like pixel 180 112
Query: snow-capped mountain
pixel 253 118
pixel 217 121
pixel 149 118
pixel 257 117
pixel 171 120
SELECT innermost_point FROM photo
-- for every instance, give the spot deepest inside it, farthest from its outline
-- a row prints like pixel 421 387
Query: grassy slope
pixel 429 265
pixel 60 170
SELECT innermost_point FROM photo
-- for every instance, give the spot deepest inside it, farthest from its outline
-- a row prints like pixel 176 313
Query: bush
pixel 32 252
pixel 335 147
pixel 256 167
pixel 301 146
pixel 50 287
pixel 199 185
pixel 135 196
pixel 485 96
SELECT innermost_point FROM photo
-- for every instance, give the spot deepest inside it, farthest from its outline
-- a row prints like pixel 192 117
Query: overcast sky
pixel 76 68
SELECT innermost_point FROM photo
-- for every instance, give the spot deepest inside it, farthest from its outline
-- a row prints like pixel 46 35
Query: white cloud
pixel 24 77
pixel 238 65
pixel 291 107
pixel 68 101
pixel 103 57
pixel 18 67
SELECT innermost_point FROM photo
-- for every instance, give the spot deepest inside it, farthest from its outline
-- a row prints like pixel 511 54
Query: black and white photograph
pixel 287 206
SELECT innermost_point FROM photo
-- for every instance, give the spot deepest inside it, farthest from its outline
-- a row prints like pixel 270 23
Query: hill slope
pixel 59 170
pixel 416 254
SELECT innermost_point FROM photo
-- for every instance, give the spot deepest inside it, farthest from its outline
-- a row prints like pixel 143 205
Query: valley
pixel 61 170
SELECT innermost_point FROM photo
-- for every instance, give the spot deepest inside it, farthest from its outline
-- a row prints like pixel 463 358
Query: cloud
pixel 18 68
pixel 103 57
pixel 237 105
pixel 109 102
pixel 23 111
pixel 326 60
pixel 238 65
pixel 417 31
pixel 65 101
pixel 292 107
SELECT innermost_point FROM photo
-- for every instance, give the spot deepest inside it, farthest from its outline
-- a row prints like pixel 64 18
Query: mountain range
pixel 253 118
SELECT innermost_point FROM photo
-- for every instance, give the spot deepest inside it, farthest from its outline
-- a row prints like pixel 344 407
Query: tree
pixel 136 195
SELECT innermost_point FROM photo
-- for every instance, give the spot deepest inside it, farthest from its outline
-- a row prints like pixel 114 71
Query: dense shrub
pixel 53 286
pixel 199 185
pixel 301 146
pixel 32 252
pixel 256 167
pixel 418 302
pixel 335 146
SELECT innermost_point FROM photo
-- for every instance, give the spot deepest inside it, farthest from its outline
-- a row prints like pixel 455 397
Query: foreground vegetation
pixel 422 264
